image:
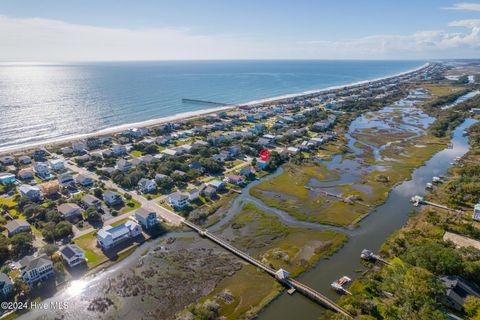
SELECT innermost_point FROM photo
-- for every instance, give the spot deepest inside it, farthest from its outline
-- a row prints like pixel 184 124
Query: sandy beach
pixel 188 115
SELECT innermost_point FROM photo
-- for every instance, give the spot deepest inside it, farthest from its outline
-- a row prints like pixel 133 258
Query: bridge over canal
pixel 291 283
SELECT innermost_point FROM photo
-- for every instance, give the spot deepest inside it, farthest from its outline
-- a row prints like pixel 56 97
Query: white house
pixel 32 192
pixel 108 237
pixel 147 185
pixel 72 255
pixel 178 200
pixel 56 164
pixel 111 197
pixel 34 269
pixel 41 168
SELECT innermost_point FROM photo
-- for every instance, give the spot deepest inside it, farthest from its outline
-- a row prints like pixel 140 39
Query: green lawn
pixel 136 153
pixel 129 206
pixel 93 254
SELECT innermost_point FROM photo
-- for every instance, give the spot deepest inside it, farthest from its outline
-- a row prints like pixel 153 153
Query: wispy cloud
pixel 423 44
pixel 464 6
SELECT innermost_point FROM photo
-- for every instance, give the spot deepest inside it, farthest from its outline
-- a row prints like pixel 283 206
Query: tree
pixel 63 229
pixel 50 249
pixel 97 192
pixel 4 251
pixel 21 243
pixel 472 307
pixel 92 215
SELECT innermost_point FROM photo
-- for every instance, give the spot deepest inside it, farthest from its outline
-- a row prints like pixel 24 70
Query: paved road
pixel 168 216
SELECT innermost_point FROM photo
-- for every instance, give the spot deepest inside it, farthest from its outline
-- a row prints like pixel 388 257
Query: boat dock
pixel 281 275
pixel 370 256
pixel 419 200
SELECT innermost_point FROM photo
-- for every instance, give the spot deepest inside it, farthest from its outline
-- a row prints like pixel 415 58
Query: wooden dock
pixel 291 283
pixel 418 200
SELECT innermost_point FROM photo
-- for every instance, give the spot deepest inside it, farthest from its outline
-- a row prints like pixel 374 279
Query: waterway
pixel 372 232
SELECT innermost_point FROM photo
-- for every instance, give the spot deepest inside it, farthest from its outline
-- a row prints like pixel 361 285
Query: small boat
pixel 437 180
pixel 429 186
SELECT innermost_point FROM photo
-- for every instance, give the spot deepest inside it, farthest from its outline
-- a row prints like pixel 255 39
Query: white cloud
pixel 464 6
pixel 46 40
pixel 423 44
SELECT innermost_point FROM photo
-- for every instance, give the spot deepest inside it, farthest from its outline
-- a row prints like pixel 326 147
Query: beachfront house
pixel 119 150
pixel 109 237
pixel 147 218
pixel 7 178
pixel 34 269
pixel 24 159
pixel 72 255
pixel 17 226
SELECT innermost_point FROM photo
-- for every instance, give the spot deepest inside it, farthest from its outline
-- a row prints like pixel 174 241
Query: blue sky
pixel 51 30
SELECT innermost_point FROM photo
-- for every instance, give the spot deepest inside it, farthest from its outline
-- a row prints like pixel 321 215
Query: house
pixel 262 164
pixel 78 146
pixel 178 200
pixel 34 269
pixel 234 179
pixel 147 218
pixel 50 188
pixel 193 194
pixel 247 171
pixel 172 152
pixel 56 164
pixel 217 184
pixel 25 174
pixel 93 143
pixel 84 180
pixel 32 192
pixel 119 150
pixel 159 176
pixel 25 159
pixel 66 151
pixel 66 180
pixel 7 178
pixel 147 185
pixel 39 154
pixel 90 201
pixel 457 290
pixel 476 212
pixel 123 165
pixel 7 160
pixel 109 237
pixel 112 198
pixel 41 169
pixel 17 226
pixel 209 191
pixel 82 159
pixel 293 150
pixel 6 285
pixel 72 255
pixel 70 211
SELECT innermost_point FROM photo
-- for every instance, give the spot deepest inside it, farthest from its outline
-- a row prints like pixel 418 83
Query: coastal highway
pixel 168 216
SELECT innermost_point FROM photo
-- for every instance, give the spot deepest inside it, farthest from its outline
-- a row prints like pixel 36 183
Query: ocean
pixel 44 102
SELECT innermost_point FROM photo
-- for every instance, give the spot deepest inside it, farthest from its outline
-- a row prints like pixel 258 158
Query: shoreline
pixel 190 115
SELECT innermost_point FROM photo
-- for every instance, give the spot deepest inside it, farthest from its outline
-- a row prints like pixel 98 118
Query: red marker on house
pixel 264 154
